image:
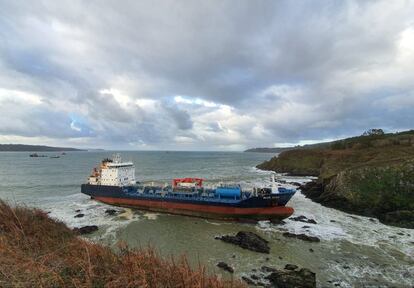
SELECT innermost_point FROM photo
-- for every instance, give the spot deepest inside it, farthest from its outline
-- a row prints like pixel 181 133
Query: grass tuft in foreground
pixel 37 251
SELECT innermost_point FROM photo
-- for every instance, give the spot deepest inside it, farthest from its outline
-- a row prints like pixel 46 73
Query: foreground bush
pixel 37 251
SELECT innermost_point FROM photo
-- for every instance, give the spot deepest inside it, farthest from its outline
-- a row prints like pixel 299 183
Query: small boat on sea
pixel 113 182
pixel 35 155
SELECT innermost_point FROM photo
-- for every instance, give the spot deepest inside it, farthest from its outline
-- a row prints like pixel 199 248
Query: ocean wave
pixel 65 208
pixel 335 225
pixel 367 248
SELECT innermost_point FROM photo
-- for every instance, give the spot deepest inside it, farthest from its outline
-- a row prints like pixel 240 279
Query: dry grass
pixel 37 251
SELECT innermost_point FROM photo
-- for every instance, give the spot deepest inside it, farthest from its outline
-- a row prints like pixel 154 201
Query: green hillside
pixel 34 148
pixel 371 175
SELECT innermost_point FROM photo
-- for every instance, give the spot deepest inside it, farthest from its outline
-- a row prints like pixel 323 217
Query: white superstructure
pixel 274 185
pixel 113 172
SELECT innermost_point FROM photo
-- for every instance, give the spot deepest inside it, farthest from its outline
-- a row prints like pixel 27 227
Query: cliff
pixel 368 175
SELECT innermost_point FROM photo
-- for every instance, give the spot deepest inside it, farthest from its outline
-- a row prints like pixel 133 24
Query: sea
pixel 354 251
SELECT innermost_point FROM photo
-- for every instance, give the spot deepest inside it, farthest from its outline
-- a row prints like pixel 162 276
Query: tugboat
pixel 113 182
pixel 35 155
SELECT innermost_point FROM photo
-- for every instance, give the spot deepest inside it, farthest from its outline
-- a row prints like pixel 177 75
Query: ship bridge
pixel 114 172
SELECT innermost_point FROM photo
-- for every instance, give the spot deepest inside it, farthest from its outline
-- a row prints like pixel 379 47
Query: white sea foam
pixel 65 208
pixel 334 227
pixel 127 214
pixel 151 216
pixel 355 229
pixel 260 171
pixel 334 224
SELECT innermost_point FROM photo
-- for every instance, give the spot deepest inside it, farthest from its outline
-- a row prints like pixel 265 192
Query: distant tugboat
pixel 113 182
pixel 35 155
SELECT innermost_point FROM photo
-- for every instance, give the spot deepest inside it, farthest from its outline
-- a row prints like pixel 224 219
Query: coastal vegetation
pixel 37 251
pixel 371 175
pixel 33 148
pixel 282 149
pixel 269 150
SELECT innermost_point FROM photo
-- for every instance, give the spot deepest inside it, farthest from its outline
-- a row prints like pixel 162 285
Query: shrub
pixel 37 251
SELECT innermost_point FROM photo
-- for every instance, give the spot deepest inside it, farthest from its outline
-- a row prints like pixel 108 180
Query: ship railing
pixel 198 198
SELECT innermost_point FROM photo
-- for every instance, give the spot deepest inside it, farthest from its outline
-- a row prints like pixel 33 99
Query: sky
pixel 203 75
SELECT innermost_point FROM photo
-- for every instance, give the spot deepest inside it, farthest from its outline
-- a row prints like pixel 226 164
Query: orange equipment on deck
pixel 197 181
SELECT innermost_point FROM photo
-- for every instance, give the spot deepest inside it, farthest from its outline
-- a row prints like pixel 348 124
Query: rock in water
pixel 268 269
pixel 248 280
pixel 304 278
pixel 303 237
pixel 111 211
pixel 247 240
pixel 277 221
pixel 302 218
pixel 225 267
pixel 80 215
pixel 291 267
pixel 295 184
pixel 86 229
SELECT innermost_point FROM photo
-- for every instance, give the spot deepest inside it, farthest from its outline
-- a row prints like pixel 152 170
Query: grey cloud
pixel 104 107
pixel 30 121
pixel 338 54
pixel 180 117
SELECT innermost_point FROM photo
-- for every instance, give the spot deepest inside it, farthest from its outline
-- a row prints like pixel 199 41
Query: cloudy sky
pixel 203 75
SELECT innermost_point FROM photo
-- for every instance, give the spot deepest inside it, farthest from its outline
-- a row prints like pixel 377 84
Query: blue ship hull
pixel 221 204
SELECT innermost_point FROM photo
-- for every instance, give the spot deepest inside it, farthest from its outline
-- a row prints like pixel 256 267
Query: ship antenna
pixel 117 158
pixel 272 179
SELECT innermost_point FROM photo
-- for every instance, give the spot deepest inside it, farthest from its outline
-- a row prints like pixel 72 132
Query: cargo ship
pixel 113 182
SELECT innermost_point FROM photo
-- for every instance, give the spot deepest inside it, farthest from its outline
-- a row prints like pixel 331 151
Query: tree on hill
pixel 373 132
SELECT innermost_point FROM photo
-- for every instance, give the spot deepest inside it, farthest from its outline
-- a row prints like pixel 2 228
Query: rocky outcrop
pixel 316 191
pixel 303 219
pixel 303 237
pixel 402 218
pixel 268 269
pixel 248 280
pixel 86 229
pixel 225 267
pixel 289 277
pixel 384 191
pixel 371 175
pixel 303 278
pixel 111 212
pixel 291 267
pixel 247 240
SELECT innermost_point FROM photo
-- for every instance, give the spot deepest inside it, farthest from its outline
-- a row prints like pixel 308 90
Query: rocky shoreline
pixel 369 175
pixel 289 277
pixel 247 240
pixel 316 192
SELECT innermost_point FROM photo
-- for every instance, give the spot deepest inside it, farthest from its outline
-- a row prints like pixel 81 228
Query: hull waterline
pixel 203 211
